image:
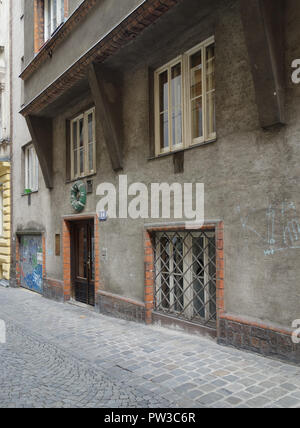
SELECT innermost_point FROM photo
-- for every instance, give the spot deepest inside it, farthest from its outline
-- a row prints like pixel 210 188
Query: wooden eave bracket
pixel 107 99
pixel 41 131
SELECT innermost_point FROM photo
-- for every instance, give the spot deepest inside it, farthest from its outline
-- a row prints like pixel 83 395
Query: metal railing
pixel 185 275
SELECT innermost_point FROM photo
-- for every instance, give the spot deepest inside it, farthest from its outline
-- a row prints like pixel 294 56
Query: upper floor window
pixel 31 170
pixel 54 14
pixel 83 144
pixel 185 100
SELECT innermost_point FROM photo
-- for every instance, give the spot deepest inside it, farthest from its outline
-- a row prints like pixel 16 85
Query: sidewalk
pixel 88 360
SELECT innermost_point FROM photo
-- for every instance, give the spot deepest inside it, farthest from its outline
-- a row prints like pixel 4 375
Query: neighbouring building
pixel 5 143
pixel 162 91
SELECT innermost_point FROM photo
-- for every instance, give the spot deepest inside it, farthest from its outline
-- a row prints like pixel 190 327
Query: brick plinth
pixel 259 338
pixel 120 307
pixel 53 289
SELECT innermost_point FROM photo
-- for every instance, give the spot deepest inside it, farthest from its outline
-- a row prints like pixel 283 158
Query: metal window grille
pixel 185 275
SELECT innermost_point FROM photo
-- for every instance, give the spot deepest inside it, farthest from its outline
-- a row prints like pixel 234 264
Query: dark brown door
pixel 83 269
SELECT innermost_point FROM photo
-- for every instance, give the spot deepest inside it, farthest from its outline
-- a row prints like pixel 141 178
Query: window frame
pixel 60 17
pixel 31 169
pixel 86 143
pixel 188 140
pixel 187 259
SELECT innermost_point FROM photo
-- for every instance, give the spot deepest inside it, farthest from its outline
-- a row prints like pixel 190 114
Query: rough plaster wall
pixel 245 172
pixel 34 217
pixel 4 80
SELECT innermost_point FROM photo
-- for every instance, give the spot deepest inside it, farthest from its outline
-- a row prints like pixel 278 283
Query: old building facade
pixel 5 143
pixel 162 91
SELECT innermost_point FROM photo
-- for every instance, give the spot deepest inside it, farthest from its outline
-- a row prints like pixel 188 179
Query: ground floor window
pixel 185 275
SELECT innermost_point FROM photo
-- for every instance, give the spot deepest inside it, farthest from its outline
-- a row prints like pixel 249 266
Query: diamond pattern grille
pixel 185 275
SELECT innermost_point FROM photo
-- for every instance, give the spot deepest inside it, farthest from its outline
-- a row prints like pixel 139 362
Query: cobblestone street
pixel 60 355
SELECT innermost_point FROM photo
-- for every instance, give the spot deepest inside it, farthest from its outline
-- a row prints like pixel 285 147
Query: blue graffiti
pixel 34 280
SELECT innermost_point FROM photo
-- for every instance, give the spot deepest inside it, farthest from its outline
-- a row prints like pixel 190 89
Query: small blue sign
pixel 102 215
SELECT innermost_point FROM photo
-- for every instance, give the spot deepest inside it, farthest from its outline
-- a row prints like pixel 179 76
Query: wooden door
pixel 83 269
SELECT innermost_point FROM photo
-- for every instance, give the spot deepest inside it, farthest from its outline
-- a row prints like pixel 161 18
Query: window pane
pixel 90 128
pixel 81 143
pixel 62 11
pixel 176 85
pixel 164 130
pixel 196 95
pixel 75 163
pixel 196 75
pixel 164 109
pixel 54 14
pixel 178 274
pixel 81 133
pixel 91 157
pixel 198 268
pixel 197 118
pixel 212 278
pixel 210 90
pixel 74 135
pixel 165 275
pixel 81 154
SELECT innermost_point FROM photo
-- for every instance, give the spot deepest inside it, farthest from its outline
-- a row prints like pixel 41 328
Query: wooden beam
pixel 107 97
pixel 264 33
pixel 41 131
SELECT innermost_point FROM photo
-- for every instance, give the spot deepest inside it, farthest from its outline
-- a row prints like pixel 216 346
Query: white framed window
pixel 83 145
pixel 31 169
pixel 54 14
pixel 185 100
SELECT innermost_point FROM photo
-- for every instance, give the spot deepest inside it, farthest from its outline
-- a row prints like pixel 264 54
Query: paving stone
pixel 210 398
pixel 60 355
pixel 287 402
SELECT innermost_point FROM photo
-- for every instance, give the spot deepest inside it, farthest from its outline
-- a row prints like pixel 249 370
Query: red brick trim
pixel 67 260
pixel 38 25
pixel 145 15
pixel 18 267
pixel 67 268
pixel 149 265
pixel 41 48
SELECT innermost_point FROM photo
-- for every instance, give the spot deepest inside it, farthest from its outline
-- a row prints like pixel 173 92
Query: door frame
pixel 67 253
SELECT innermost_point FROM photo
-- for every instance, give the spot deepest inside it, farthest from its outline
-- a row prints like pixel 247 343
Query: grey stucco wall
pixel 251 176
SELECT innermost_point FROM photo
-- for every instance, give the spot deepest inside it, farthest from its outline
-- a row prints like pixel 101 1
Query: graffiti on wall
pixel 279 227
pixel 32 263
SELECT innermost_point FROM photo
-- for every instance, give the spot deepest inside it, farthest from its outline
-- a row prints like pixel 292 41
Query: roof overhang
pixel 134 24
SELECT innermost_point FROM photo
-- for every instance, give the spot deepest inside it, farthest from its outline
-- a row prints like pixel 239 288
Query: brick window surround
pixel 67 268
pixel 39 23
pixel 149 232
